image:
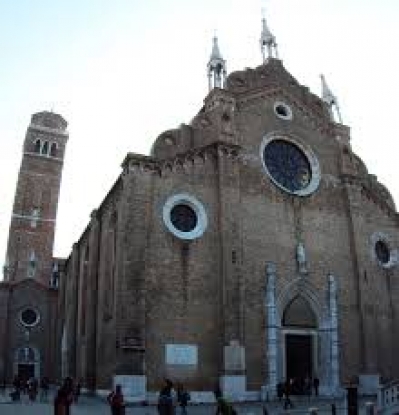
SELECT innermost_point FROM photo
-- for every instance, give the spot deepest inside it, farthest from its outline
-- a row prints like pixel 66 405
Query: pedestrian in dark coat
pixel 287 394
pixel 165 399
pixel 44 387
pixel 182 398
pixel 280 391
pixel 116 401
pixel 64 398
pixel 316 383
pixel 78 390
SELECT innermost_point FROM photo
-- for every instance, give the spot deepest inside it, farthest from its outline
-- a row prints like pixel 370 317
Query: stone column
pixel 271 329
pixel 333 309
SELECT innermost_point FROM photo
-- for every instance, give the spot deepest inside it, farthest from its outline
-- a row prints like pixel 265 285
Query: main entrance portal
pixel 299 331
pixel 27 363
pixel 298 356
pixel 26 371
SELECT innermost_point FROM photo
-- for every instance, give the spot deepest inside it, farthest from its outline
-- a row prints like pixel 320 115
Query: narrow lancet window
pixel 53 150
pixel 45 148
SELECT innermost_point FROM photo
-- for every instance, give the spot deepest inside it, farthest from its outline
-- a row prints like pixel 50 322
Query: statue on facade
pixel 301 257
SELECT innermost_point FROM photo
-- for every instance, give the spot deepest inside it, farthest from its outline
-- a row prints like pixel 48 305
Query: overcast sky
pixel 122 71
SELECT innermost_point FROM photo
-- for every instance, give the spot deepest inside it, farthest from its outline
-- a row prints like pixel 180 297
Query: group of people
pixel 30 387
pixel 169 398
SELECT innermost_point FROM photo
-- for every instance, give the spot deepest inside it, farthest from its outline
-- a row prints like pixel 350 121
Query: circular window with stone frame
pixel 283 111
pixel 290 164
pixel 185 216
pixel 29 317
pixel 382 251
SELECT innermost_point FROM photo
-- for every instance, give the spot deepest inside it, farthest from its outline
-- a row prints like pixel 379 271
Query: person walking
pixel 165 399
pixel 44 387
pixel 116 401
pixel 287 394
pixel 64 398
pixel 280 391
pixel 224 407
pixel 316 384
pixel 32 389
pixel 77 390
pixel 182 398
pixel 16 393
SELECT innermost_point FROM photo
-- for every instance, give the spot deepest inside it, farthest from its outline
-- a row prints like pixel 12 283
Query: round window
pixel 283 111
pixel 291 165
pixel 29 317
pixel 185 216
pixel 287 165
pixel 382 252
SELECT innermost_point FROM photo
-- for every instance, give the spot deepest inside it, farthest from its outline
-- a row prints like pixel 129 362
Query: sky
pixel 123 71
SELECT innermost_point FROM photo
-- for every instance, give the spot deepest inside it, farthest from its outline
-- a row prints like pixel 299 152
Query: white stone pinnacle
pixel 217 71
pixel 330 99
pixel 267 42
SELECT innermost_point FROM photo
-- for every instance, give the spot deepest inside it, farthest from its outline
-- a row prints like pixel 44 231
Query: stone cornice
pixel 47 130
pixel 368 192
pixel 13 285
pixel 43 157
pixel 137 162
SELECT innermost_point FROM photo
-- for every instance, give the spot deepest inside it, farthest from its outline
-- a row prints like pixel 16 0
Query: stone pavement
pixel 97 406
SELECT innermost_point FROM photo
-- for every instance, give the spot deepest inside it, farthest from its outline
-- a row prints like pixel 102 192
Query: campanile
pixel 33 221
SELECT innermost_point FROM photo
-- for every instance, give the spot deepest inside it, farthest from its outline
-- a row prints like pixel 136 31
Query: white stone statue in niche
pixel 301 257
pixel 32 264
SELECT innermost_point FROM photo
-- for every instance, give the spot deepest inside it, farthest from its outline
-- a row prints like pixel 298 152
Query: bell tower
pixel 33 221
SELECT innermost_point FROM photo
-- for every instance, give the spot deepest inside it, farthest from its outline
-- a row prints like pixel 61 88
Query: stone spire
pixel 267 42
pixel 216 67
pixel 329 98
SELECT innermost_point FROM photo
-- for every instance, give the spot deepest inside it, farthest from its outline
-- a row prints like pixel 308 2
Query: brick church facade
pixel 252 245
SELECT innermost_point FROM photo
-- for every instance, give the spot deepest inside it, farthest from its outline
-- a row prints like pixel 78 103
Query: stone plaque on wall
pixel 181 354
pixel 234 357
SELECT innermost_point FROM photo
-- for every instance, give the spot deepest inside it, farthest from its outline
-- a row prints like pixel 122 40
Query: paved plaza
pixel 97 406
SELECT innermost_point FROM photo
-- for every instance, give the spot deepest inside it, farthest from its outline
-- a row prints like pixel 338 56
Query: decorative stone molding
pixel 271 330
pixel 135 163
pixel 333 309
pixel 362 183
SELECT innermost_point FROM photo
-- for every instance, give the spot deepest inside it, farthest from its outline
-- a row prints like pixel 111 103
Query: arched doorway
pixel 27 363
pixel 299 329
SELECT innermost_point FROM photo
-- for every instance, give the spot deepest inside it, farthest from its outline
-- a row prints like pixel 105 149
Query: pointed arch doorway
pixel 300 343
pixel 27 363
